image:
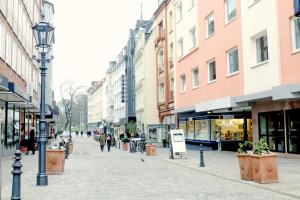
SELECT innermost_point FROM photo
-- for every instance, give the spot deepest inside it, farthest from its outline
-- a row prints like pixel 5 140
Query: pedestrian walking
pixel 81 133
pixel 77 134
pixel 31 141
pixel 108 141
pixel 102 141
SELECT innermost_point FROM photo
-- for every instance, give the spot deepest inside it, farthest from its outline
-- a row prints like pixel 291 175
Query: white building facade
pixel 145 79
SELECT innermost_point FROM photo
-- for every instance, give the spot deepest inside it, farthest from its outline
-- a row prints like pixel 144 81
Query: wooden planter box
pixel 55 161
pixel 71 148
pixel 264 168
pixel 245 162
pixel 150 149
pixel 125 146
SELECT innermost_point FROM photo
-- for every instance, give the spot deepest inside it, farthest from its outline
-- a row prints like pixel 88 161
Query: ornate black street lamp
pixel 43 33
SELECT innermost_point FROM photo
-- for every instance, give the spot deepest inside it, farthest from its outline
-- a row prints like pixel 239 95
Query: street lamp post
pixel 70 134
pixel 43 33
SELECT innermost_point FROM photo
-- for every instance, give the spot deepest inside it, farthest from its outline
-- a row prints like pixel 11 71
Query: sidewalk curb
pixel 231 179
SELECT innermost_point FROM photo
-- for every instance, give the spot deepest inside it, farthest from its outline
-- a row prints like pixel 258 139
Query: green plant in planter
pixel 261 148
pixel 245 147
pixel 125 140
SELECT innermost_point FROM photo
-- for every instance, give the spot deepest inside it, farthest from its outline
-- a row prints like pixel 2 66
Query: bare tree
pixel 68 91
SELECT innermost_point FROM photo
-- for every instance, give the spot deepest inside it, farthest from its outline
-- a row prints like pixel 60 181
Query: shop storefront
pixel 12 115
pixel 229 127
pixel 280 129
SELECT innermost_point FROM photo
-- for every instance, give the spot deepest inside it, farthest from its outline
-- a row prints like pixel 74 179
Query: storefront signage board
pixel 178 141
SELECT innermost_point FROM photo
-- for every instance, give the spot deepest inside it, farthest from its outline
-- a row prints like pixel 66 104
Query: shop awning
pixel 2 88
pixel 221 103
pixel 25 105
pixel 278 93
pixel 182 110
pixel 11 97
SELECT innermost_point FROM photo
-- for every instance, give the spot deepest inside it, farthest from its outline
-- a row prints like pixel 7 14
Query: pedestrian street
pixel 92 174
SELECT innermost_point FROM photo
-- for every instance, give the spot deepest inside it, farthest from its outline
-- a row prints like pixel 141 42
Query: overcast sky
pixel 89 34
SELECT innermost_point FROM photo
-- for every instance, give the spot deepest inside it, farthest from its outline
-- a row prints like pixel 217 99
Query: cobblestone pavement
pixel 90 174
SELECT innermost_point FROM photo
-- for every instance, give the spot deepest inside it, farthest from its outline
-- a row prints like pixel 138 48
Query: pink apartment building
pixel 240 78
pixel 209 73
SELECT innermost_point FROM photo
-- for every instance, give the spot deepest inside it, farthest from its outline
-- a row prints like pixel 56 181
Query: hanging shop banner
pixel 178 141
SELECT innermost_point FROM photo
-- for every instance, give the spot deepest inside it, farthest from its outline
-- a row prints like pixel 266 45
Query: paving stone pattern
pixel 94 175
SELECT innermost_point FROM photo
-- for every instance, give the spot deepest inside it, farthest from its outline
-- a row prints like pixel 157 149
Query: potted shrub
pixel 245 161
pixel 125 141
pixel 264 163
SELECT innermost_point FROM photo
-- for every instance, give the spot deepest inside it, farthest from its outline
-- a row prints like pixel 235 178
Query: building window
pixel 182 84
pixel 193 37
pixel 161 93
pixel 14 56
pixel 195 78
pixel 179 11
pixel 233 61
pixel 8 49
pixel 192 3
pixel 170 21
pixel 160 29
pixel 161 60
pixel 271 129
pixel 210 25
pixel 230 8
pixel 296 33
pixel 212 75
pixel 262 49
pixel 2 41
pixel 172 87
pixel 171 53
pixel 180 47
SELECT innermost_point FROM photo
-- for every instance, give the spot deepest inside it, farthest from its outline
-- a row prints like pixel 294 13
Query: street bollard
pixel 201 157
pixel 67 150
pixel 16 184
pixel 171 152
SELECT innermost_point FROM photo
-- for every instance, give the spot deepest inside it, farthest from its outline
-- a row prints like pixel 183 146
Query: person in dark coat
pixel 108 141
pixel 31 141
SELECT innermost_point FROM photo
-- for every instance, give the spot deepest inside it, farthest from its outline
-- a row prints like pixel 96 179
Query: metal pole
pixel 171 148
pixel 42 177
pixel 70 129
pixel 16 184
pixel 201 157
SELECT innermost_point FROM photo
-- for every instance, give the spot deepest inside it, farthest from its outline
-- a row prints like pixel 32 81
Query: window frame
pixel 227 20
pixel 193 37
pixel 193 78
pixel 182 83
pixel 208 70
pixel 207 19
pixel 180 49
pixel 228 61
pixel 254 45
pixel 179 9
pixel 293 32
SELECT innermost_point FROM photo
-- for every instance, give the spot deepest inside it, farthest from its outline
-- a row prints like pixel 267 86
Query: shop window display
pixel 190 130
pixel 201 130
pixel 293 130
pixel 2 124
pixel 231 129
pixel 271 128
pixel 10 127
pixel 182 125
